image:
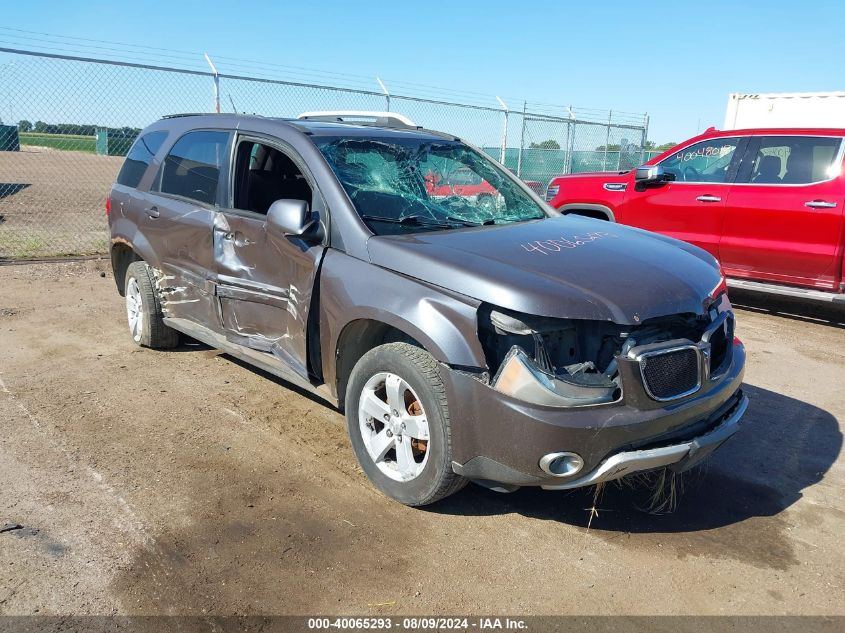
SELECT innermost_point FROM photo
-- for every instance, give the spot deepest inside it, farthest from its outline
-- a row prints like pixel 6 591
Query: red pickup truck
pixel 768 203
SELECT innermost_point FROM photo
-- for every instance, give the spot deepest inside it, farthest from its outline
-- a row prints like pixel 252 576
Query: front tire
pixel 398 422
pixel 143 309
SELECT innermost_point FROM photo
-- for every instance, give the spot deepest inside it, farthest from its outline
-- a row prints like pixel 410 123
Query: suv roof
pixel 320 128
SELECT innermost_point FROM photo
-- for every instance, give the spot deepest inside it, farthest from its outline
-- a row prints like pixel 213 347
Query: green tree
pixel 548 144
pixel 651 146
pixel 24 126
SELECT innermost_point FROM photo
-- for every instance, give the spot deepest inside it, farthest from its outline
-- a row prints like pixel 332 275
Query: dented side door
pixel 177 221
pixel 265 282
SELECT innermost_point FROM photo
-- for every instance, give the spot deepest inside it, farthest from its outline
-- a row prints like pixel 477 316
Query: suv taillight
pixel 551 192
pixel 108 206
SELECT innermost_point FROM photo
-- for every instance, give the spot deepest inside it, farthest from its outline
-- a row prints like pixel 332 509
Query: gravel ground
pixel 183 482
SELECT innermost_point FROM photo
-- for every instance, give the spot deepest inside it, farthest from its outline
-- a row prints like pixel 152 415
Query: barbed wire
pixel 192 60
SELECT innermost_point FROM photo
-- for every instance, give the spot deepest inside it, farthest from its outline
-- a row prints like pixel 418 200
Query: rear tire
pixel 143 309
pixel 398 422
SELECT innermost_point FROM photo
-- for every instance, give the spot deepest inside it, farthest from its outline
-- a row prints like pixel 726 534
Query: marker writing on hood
pixel 556 245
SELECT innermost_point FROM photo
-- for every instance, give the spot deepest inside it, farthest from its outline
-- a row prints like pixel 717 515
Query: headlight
pixel 544 360
pixel 521 378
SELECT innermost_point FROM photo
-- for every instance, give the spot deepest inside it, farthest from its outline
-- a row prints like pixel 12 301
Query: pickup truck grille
pixel 671 374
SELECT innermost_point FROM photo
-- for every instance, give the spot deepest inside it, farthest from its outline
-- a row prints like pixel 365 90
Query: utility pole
pixel 504 132
pixel 386 93
pixel 521 141
pixel 216 78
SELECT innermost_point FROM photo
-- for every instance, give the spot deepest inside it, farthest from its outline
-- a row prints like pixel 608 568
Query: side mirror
pixel 651 176
pixel 289 217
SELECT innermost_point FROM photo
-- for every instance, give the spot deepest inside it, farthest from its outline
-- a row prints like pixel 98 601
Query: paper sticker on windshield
pixel 557 245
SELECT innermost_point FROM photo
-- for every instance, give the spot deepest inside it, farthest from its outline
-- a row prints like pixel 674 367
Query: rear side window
pixel 192 167
pixel 793 160
pixel 139 157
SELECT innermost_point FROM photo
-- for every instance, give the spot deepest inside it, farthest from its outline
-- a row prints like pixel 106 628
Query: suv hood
pixel 565 267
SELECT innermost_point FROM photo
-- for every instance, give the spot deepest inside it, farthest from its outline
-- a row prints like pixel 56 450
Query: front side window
pixel 139 158
pixel 404 185
pixel 793 160
pixel 707 161
pixel 264 174
pixel 192 167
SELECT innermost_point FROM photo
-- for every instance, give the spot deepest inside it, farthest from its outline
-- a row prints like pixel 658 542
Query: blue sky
pixel 675 60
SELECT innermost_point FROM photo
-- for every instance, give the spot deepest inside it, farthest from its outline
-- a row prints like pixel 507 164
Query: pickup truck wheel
pixel 143 309
pixel 398 422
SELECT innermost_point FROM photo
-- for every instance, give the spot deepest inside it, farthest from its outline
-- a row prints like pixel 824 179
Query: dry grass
pixel 665 488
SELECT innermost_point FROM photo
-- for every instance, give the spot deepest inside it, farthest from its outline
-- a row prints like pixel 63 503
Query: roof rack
pixel 184 114
pixel 360 117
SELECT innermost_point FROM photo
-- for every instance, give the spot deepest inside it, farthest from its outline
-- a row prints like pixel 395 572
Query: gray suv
pixel 492 341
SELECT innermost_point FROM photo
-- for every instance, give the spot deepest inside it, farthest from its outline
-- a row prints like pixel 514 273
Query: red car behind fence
pixel 465 183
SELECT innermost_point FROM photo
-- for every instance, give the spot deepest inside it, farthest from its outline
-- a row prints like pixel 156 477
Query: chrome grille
pixel 672 373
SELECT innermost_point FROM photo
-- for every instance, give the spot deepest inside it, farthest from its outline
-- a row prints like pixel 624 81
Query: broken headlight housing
pixel 568 363
pixel 551 362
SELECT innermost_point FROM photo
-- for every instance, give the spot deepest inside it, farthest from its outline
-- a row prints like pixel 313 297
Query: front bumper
pixel 679 457
pixel 499 439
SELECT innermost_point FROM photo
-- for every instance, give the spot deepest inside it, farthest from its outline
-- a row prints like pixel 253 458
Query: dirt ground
pixel 52 202
pixel 184 482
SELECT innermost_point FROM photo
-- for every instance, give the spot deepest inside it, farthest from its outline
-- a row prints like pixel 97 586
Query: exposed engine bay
pixel 562 362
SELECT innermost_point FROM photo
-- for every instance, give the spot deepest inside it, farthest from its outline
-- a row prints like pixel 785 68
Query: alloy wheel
pixel 134 309
pixel 394 426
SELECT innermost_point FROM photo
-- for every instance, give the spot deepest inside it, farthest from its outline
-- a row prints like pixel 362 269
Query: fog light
pixel 561 464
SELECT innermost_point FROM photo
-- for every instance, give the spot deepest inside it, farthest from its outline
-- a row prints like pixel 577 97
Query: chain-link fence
pixel 552 145
pixel 66 122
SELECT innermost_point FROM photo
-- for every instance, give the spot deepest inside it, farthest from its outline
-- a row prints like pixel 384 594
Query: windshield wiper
pixel 487 222
pixel 419 220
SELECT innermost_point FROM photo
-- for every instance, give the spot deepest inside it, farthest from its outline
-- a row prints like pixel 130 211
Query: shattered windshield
pixel 404 185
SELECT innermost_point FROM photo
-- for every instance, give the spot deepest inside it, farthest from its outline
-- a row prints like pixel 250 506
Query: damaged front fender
pixel 444 323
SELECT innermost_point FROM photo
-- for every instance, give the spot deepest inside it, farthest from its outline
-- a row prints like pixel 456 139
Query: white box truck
pixel 785 109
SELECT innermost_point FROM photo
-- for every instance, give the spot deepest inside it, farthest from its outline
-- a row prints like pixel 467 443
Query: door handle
pixel 238 238
pixel 152 212
pixel 708 198
pixel 820 204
